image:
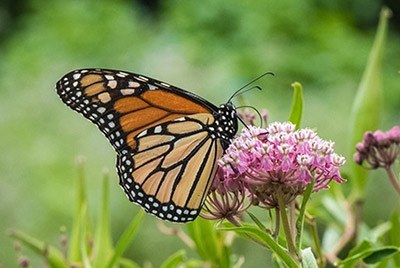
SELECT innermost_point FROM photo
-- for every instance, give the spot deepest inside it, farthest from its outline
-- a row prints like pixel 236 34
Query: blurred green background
pixel 209 47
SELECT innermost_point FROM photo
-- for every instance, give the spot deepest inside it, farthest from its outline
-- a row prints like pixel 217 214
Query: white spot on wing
pixel 180 119
pixel 112 83
pixel 157 129
pixel 127 91
pixel 142 133
pixel 122 74
pixel 142 78
pixel 133 84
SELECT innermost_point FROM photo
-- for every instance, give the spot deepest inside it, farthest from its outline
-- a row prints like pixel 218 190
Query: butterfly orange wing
pixel 166 156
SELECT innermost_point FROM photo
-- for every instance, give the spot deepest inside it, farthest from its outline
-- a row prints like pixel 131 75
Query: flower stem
pixel 277 224
pixel 285 223
pixel 393 179
pixel 292 219
pixel 314 231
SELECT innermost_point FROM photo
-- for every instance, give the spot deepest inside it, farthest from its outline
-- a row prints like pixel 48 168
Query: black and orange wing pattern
pixel 167 140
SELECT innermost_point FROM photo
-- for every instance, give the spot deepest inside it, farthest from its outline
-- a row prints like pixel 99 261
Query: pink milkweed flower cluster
pixel 278 159
pixel 378 149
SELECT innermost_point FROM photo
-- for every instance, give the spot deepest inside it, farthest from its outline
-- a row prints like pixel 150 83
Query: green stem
pixel 277 224
pixel 315 236
pixel 302 211
pixel 393 179
pixel 292 221
pixel 285 223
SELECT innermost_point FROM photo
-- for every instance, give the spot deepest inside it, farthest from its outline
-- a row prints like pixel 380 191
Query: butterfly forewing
pixel 167 139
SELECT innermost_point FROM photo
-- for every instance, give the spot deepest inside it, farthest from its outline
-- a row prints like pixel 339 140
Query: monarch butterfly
pixel 167 139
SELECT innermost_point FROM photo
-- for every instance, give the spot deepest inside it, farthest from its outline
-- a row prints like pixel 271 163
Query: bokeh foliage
pixel 210 48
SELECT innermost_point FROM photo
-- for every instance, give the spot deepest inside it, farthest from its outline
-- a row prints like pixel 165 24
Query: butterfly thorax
pixel 225 125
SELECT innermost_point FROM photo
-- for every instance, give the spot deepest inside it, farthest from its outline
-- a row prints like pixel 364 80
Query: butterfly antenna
pixel 237 92
pixel 248 89
pixel 251 107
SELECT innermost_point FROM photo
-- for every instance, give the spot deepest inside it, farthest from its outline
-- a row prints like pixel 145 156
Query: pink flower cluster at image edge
pixel 379 148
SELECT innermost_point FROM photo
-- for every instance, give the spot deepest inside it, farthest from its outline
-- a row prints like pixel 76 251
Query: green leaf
pixel 81 202
pixel 126 238
pixel 381 254
pixel 174 260
pixel 356 254
pixel 395 235
pixel 300 219
pixel 209 242
pixel 296 109
pixel 84 247
pixel 366 108
pixel 256 221
pixel 308 259
pixel 103 249
pixel 255 234
pixel 205 237
pixel 369 254
pixel 126 263
pixel 54 257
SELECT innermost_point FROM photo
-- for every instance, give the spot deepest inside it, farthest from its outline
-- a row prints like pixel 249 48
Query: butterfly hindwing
pixel 172 169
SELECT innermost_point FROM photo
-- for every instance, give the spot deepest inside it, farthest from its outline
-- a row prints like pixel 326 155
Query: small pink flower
pixel 226 199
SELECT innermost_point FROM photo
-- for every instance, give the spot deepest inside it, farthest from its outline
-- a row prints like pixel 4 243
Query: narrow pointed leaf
pixel 103 242
pixel 126 263
pixel 205 238
pixel 84 247
pixel 126 238
pixel 256 221
pixel 80 203
pixel 395 235
pixel 209 242
pixel 367 104
pixel 356 254
pixel 263 238
pixel 54 257
pixel 296 109
pixel 174 260
pixel 381 254
pixel 367 253
pixel 370 256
